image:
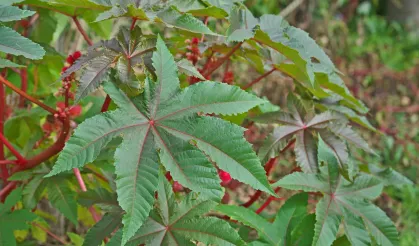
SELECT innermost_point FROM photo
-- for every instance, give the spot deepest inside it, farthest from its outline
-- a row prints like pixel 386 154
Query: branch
pixel 51 151
pixel 267 202
pixel 8 162
pixel 50 233
pixel 222 60
pixel 21 159
pixel 258 79
pixel 7 189
pixel 82 31
pixel 23 86
pixel 106 104
pixel 30 98
pixel 4 171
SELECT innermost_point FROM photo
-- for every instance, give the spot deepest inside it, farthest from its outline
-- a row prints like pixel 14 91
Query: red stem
pixel 267 202
pixel 206 23
pixel 6 189
pixel 8 162
pixel 258 79
pixel 82 31
pixel 134 20
pixel 30 98
pixel 50 233
pixel 80 179
pixel 21 159
pixel 106 104
pixel 23 86
pixel 222 60
pixel 252 199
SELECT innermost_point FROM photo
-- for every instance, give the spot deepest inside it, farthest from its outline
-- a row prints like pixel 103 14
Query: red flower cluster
pixel 228 77
pixel 193 54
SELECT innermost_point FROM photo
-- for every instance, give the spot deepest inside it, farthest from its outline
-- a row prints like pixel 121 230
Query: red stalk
pixel 222 60
pixel 258 79
pixel 134 20
pixel 16 153
pixel 50 233
pixel 82 31
pixel 267 202
pixel 6 189
pixel 23 86
pixel 80 179
pixel 30 98
pixel 8 162
pixel 106 104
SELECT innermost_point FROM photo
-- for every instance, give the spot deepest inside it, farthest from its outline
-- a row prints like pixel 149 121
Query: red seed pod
pixel 76 55
pixel 225 177
pixel 177 187
pixel 70 59
pixel 64 69
pixel 195 40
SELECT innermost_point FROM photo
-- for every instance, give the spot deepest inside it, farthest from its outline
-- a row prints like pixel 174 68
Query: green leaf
pixel 183 223
pixel 33 191
pixel 102 229
pixel 303 234
pixel 62 198
pixel 12 13
pixel 137 173
pixel 13 43
pixel 184 143
pixel 189 69
pixel 7 63
pixel 389 176
pixel 306 151
pixel 282 230
pixel 186 22
pixel 97 196
pixel 11 200
pixel 344 200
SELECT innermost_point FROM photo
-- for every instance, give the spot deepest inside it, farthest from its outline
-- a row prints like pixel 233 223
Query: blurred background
pixel 375 43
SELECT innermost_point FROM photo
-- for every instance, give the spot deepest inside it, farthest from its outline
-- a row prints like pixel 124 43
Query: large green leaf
pixel 344 200
pixel 13 43
pixel 147 131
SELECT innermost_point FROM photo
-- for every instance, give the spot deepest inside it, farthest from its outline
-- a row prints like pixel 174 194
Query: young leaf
pixel 150 126
pixel 344 200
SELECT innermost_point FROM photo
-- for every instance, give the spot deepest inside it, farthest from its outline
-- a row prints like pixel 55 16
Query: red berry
pixel 224 176
pixel 64 69
pixel 177 187
pixel 60 106
pixel 70 59
pixel 76 55
pixel 195 40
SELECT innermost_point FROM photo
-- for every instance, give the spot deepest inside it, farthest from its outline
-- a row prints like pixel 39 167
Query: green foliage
pixel 12 220
pixel 160 134
pixel 183 222
pixel 289 225
pixel 344 201
pixel 299 121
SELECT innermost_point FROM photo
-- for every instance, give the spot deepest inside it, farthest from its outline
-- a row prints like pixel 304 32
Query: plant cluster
pixel 154 162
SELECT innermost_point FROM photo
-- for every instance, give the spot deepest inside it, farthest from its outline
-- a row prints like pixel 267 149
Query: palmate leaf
pixel 344 201
pixel 62 198
pixel 280 232
pixel 332 127
pixel 189 69
pixel 162 123
pixel 102 229
pixel 173 223
pixel 13 43
pixel 128 50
